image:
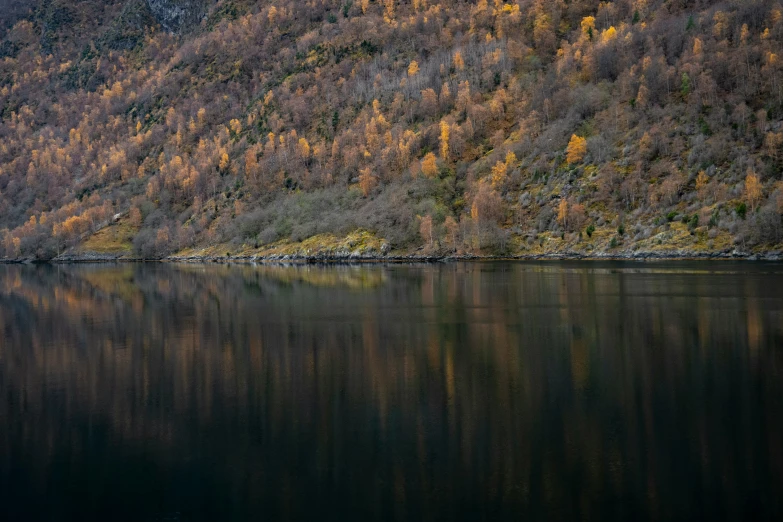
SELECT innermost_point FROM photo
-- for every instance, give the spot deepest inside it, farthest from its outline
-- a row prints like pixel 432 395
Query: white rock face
pixel 176 15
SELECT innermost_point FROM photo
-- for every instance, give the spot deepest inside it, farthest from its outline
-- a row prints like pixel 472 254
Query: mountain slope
pixel 440 127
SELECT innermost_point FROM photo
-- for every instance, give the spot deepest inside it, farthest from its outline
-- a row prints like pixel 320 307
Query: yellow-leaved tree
pixel 500 170
pixel 459 62
pixel 562 213
pixel 499 174
pixel 752 189
pixel 701 181
pixel 577 149
pixel 444 141
pixel 367 181
pixel 608 35
pixel 429 165
pixel 224 162
pixel 588 27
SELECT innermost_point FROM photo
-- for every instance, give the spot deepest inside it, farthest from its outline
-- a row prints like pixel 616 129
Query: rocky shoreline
pixel 358 257
pixel 554 256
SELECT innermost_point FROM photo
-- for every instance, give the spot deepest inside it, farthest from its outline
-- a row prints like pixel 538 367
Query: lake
pixel 455 391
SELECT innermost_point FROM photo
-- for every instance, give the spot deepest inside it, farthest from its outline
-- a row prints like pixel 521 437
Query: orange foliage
pixel 577 149
pixel 429 165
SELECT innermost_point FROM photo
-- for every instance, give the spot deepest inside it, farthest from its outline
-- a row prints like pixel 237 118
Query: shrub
pixel 714 219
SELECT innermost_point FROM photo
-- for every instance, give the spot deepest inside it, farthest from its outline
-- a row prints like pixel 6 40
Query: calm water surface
pixel 496 391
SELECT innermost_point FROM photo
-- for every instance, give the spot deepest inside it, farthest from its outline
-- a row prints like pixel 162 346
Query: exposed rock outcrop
pixel 178 15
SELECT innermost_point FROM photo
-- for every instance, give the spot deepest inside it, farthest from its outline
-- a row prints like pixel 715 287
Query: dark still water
pixel 495 391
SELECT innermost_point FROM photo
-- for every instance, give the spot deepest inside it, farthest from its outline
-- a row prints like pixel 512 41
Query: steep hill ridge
pixel 478 128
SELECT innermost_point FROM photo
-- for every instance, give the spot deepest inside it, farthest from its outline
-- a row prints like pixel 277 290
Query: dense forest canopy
pixel 439 126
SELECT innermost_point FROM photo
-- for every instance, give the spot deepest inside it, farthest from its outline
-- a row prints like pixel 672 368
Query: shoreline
pixel 770 256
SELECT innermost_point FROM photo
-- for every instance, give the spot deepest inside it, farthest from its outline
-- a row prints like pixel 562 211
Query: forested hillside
pixel 154 127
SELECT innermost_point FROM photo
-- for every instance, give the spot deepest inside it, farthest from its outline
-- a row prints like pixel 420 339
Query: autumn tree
pixel 500 170
pixel 367 181
pixel 701 182
pixel 562 213
pixel 425 229
pixel 429 102
pixel 588 27
pixel 779 197
pixel 444 99
pixel 452 229
pixel 499 174
pixel 134 216
pixel 577 149
pixel 463 96
pixel 487 208
pixel 429 165
pixel 607 35
pixel 389 6
pixel 773 141
pixel 458 61
pixel 444 141
pixel 544 36
pixel 225 161
pixel 753 189
pixel 577 216
pixel 251 164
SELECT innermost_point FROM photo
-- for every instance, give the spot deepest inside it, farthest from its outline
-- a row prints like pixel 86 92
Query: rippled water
pixel 494 391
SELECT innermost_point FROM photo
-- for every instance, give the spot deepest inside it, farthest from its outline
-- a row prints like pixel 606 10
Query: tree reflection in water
pixel 559 391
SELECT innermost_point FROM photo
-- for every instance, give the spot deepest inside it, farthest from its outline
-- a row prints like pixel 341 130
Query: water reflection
pixel 463 391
